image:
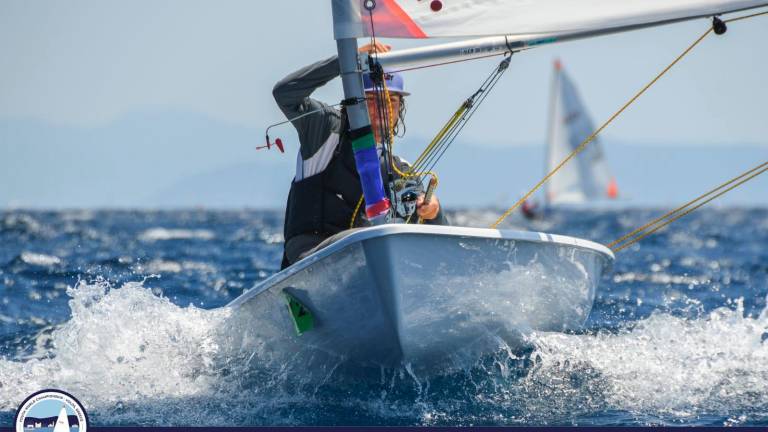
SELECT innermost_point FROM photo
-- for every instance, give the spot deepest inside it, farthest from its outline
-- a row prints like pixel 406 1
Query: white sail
pixel 62 422
pixel 587 177
pixel 522 18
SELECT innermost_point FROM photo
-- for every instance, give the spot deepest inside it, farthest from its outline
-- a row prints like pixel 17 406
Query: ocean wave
pixel 661 278
pixel 22 224
pixel 120 345
pixel 666 365
pixel 161 234
pixel 38 259
pixel 133 357
pixel 169 266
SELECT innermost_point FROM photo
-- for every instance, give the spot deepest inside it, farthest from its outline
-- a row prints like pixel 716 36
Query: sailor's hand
pixel 376 47
pixel 427 211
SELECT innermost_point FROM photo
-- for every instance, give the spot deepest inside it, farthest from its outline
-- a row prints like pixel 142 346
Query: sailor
pixel 326 188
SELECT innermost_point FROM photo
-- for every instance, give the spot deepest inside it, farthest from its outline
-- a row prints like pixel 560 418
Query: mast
pixel 377 205
pixel 553 96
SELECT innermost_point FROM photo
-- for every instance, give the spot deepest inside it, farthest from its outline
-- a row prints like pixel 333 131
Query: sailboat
pixel 417 295
pixel 62 422
pixel 587 180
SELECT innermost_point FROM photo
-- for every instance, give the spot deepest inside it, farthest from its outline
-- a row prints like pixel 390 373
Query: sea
pixel 122 309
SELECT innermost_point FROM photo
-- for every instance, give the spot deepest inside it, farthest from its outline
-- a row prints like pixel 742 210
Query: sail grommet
pixel 718 26
pixel 369 5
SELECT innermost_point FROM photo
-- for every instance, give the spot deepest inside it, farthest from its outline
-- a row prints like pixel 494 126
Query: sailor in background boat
pixel 326 188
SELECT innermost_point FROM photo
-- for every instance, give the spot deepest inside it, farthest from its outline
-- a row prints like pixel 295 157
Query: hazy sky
pixel 113 73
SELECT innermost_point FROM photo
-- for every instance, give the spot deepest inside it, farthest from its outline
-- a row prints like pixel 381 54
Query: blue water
pixel 115 307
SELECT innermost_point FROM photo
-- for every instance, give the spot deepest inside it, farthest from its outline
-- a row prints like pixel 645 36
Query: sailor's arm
pixel 292 92
pixel 292 95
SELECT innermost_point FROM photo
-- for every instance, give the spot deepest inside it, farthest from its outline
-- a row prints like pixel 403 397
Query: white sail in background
pixel 522 18
pixel 587 177
pixel 62 423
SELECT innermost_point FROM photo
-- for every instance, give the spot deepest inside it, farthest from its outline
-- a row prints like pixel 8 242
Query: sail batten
pixel 478 18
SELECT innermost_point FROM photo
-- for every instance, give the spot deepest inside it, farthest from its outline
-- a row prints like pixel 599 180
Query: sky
pixel 149 103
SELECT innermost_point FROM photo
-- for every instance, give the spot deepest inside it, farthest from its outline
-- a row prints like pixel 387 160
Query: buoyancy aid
pixel 323 203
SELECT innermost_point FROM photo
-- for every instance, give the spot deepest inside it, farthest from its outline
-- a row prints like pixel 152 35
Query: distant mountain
pixel 125 163
pixel 166 160
pixel 647 174
pixel 238 185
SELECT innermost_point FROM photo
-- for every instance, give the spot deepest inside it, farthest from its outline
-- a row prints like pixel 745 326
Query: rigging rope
pixel 386 122
pixel 447 135
pixel 591 138
pixel 430 156
pixel 662 221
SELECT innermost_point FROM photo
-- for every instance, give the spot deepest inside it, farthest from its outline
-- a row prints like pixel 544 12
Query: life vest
pixel 323 203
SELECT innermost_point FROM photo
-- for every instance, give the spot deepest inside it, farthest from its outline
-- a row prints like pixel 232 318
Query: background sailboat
pixel 587 179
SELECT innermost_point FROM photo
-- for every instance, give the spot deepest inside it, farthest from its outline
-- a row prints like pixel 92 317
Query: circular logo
pixel 51 411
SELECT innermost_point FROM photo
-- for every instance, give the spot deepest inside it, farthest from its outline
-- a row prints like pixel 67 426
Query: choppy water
pixel 116 308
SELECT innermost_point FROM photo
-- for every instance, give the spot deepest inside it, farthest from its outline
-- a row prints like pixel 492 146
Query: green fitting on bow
pixel 300 315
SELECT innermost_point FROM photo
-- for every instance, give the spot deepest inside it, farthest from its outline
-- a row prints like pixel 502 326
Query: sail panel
pixel 471 18
pixel 586 177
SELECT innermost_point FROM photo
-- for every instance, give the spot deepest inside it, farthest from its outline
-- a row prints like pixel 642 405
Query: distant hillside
pixel 186 160
pixel 647 174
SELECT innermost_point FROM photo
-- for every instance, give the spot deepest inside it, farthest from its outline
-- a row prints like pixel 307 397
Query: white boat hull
pixel 428 296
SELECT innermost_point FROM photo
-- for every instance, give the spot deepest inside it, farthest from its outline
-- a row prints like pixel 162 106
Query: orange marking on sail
pixel 613 189
pixel 392 17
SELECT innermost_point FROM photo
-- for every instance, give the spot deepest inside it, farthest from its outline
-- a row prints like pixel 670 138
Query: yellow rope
pixel 575 152
pixel 589 139
pixel 354 213
pixel 746 17
pixel 682 207
pixel 391 129
pixel 451 122
pixel 391 132
pixel 739 180
pixel 641 233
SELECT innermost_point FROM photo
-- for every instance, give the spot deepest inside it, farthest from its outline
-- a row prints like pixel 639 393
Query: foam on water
pixel 160 234
pixel 136 358
pixel 133 357
pixel 41 260
pixel 120 345
pixel 666 366
pixel 168 266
